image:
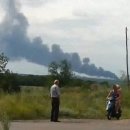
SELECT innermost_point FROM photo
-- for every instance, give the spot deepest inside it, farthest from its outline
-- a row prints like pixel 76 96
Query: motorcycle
pixel 110 108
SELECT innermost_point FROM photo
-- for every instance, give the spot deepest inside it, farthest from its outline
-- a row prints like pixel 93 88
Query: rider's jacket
pixel 114 95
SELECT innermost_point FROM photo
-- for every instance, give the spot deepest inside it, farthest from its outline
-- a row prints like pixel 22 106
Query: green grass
pixel 76 102
pixel 5 122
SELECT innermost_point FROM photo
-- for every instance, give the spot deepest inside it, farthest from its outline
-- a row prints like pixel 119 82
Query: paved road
pixel 88 124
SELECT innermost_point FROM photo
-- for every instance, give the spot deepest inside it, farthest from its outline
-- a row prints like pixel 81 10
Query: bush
pixel 8 82
pixel 5 122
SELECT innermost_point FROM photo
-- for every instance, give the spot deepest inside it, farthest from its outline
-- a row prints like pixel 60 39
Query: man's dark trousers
pixel 55 109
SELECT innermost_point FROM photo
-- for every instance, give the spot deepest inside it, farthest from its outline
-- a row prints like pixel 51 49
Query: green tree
pixel 53 69
pixel 8 80
pixel 61 71
pixel 65 71
pixel 3 63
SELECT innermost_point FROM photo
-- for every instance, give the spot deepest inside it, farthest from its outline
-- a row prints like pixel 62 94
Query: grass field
pixel 76 102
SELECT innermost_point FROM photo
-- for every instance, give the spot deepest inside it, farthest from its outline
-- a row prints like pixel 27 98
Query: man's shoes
pixel 55 121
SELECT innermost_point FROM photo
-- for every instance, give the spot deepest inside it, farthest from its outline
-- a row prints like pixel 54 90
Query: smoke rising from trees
pixel 16 44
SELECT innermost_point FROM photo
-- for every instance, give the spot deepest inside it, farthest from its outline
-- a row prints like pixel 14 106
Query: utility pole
pixel 127 59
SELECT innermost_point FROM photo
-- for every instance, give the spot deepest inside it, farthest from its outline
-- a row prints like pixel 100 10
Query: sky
pixel 91 28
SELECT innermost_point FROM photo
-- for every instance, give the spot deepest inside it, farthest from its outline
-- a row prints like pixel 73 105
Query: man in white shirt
pixel 55 100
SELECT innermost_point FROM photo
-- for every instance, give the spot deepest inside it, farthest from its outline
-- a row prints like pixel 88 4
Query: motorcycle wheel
pixel 109 116
pixel 117 118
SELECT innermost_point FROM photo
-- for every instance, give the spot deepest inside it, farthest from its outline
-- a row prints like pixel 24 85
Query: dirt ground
pixel 72 124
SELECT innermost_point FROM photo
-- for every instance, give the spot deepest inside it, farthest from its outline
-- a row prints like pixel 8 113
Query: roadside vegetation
pixel 76 102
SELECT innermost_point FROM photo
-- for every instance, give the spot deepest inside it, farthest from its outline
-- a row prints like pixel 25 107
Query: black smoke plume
pixel 15 43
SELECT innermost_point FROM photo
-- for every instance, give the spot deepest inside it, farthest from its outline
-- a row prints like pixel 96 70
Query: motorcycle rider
pixel 115 94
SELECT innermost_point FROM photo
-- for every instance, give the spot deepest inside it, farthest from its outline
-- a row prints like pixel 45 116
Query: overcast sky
pixel 92 28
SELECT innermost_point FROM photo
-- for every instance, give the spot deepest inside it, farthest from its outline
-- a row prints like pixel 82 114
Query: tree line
pixel 11 82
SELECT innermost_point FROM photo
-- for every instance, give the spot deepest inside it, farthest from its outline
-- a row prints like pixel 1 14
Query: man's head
pixel 56 82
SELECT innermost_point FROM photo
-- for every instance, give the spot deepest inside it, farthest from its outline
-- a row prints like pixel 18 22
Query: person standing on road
pixel 55 100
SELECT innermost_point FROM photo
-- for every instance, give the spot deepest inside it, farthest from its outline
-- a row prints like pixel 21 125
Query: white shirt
pixel 55 91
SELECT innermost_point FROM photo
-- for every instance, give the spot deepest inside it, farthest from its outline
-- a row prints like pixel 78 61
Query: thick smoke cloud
pixel 15 43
